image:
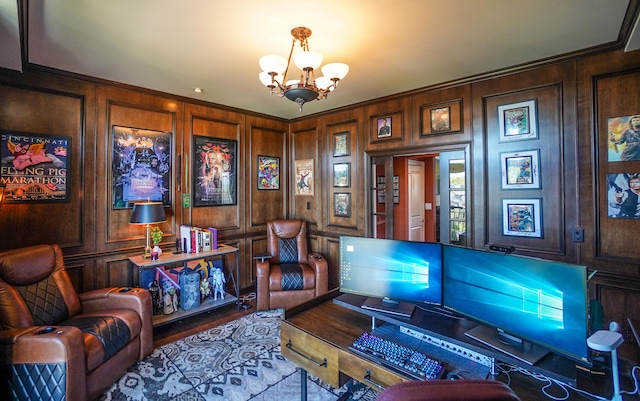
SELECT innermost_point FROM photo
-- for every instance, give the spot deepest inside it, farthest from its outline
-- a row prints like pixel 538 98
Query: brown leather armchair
pixel 449 390
pixel 288 275
pixel 56 344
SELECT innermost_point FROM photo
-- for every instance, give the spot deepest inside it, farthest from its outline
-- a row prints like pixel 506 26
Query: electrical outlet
pixel 578 234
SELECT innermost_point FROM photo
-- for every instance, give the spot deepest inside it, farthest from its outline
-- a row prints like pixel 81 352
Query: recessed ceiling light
pixel 198 90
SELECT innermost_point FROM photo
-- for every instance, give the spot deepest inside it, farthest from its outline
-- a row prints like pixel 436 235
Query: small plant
pixel 156 235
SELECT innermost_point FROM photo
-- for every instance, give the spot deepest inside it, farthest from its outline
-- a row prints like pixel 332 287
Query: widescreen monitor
pixel 395 275
pixel 527 306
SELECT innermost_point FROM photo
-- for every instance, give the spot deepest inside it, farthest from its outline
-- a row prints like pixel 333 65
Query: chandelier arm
pixel 284 77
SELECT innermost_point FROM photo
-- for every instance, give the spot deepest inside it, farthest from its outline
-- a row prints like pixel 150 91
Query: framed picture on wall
pixel 342 175
pixel 520 169
pixel 522 217
pixel 623 133
pixel 140 166
pixel 440 119
pixel 35 167
pixel 304 177
pixel 214 171
pixel 384 127
pixel 518 121
pixel 268 172
pixel 623 191
pixel 341 144
pixel 342 204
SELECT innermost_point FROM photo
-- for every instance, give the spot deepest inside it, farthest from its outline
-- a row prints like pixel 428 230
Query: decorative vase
pixel 156 251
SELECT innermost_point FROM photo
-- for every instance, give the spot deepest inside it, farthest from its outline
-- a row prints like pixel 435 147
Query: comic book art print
pixel 623 138
pixel 623 195
pixel 34 167
pixel 214 171
pixel 141 166
pixel 304 177
pixel 521 217
pixel 518 121
pixel 268 172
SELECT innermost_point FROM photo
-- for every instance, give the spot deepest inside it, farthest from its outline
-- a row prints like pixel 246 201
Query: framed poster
pixel 518 121
pixel 623 195
pixel 34 167
pixel 522 217
pixel 341 144
pixel 384 127
pixel 214 171
pixel 520 169
pixel 440 119
pixel 268 172
pixel 140 166
pixel 342 204
pixel 342 175
pixel 304 177
pixel 623 138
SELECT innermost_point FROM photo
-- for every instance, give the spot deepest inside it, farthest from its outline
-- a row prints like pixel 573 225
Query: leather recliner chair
pixel 288 275
pixel 56 344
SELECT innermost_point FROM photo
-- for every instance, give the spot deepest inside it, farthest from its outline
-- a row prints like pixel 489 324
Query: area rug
pixel 237 361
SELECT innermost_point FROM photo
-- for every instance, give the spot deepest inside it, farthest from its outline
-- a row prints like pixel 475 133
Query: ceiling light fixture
pixel 308 87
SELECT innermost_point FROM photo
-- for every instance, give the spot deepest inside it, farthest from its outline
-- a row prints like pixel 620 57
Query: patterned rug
pixel 237 361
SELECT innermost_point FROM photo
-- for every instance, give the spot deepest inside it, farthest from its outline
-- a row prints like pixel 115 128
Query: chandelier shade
pixel 308 87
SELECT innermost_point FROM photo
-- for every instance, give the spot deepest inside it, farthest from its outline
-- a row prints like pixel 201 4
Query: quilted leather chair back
pixel 287 241
pixel 35 288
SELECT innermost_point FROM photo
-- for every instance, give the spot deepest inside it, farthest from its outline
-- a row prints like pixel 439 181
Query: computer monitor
pixel 527 306
pixel 395 275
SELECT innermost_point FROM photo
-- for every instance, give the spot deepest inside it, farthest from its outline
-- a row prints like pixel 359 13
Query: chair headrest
pixel 28 265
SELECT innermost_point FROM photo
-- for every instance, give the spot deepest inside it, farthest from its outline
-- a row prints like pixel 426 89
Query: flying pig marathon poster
pixel 34 167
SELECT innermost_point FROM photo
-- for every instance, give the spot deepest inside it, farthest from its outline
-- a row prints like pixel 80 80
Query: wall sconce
pixel 147 213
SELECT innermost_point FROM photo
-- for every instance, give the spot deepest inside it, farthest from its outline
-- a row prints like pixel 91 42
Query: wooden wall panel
pixel 457 100
pixel 47 113
pixel 400 113
pixel 333 256
pixel 129 116
pixel 353 192
pixel 266 204
pixel 225 218
pixel 614 100
pixel 548 145
pixel 305 145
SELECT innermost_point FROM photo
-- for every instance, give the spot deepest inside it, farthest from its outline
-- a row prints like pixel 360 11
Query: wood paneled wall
pixel 573 98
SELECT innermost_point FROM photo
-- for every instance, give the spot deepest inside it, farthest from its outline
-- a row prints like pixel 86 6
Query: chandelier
pixel 308 87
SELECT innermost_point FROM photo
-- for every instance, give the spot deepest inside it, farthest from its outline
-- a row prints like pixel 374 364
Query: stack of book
pixel 196 239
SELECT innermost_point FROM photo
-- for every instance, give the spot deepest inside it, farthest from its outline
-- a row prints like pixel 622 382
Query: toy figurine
pixel 216 277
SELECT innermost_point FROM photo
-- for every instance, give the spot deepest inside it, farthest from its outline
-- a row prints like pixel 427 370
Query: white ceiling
pixel 391 46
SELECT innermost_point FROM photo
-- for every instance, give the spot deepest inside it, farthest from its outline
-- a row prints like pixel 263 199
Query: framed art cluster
pixel 520 170
pixel 623 167
pixel 341 197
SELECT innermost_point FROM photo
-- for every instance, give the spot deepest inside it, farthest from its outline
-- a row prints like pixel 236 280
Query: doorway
pixel 421 197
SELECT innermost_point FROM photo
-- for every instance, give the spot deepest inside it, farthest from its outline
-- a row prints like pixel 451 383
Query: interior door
pixel 416 200
pixel 381 197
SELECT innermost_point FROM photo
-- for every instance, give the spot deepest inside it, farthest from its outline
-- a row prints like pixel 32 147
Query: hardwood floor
pixel 182 328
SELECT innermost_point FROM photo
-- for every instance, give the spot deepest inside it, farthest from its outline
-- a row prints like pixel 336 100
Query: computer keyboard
pixel 397 357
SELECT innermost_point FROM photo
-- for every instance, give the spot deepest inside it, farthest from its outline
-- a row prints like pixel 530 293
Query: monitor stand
pixel 524 351
pixel 386 305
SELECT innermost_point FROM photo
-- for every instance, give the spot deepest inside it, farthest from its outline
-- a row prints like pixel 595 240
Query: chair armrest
pixel 320 265
pixel 39 350
pixel 262 257
pixel 137 299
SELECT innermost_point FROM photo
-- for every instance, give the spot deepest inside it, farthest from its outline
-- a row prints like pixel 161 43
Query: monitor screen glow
pixel 394 269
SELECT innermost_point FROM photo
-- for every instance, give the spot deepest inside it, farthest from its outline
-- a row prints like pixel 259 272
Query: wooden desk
pixel 316 337
pixel 168 259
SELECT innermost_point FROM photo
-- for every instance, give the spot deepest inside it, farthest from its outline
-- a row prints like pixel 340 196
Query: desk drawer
pixel 310 353
pixel 368 372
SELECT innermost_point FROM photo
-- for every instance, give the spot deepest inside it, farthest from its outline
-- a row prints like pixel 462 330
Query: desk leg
pixel 303 385
pixel 237 281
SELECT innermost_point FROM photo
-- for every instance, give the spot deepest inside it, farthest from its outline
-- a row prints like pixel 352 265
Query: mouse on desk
pixel 454 376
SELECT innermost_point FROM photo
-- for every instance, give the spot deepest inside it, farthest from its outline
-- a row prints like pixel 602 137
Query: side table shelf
pixel 170 259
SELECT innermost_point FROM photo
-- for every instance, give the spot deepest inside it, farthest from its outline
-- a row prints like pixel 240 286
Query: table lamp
pixel 147 213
